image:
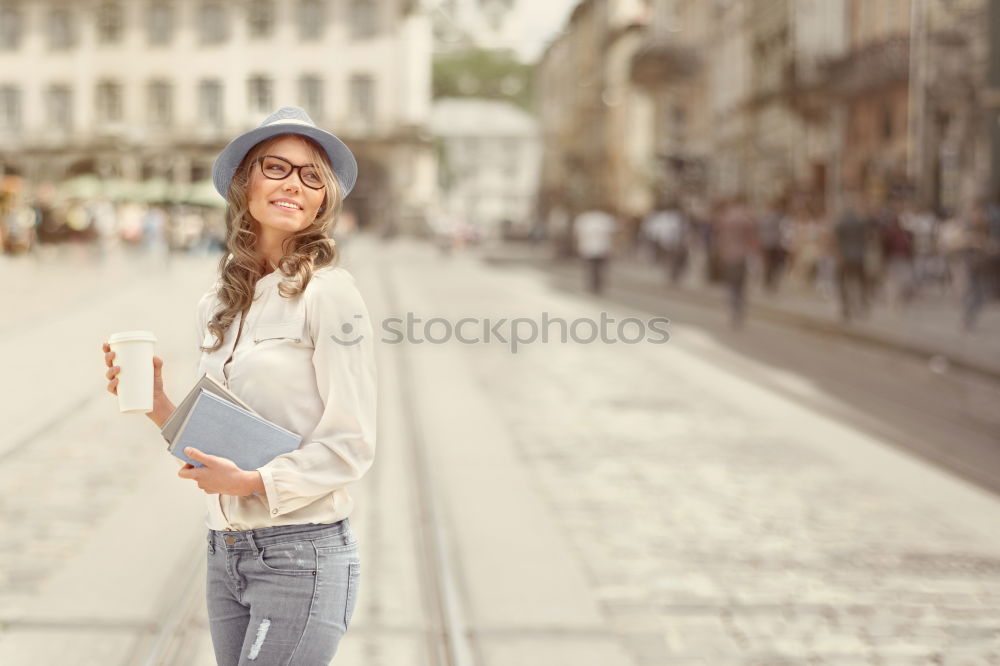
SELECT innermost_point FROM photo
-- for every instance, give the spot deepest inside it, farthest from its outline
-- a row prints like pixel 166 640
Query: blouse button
pixel 274 511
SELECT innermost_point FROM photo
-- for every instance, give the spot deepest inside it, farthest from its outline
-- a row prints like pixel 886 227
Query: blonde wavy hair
pixel 304 252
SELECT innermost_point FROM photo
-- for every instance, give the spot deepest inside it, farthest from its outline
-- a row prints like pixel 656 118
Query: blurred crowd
pixel 27 225
pixel 895 254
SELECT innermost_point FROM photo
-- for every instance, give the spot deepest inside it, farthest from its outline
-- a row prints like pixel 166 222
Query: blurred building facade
pixel 597 131
pixel 790 100
pixel 134 90
pixel 488 163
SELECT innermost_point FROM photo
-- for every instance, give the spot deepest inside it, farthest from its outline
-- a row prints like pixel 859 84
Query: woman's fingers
pixel 112 373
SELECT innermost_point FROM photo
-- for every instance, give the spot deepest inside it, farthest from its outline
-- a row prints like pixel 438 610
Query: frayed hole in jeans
pixel 265 624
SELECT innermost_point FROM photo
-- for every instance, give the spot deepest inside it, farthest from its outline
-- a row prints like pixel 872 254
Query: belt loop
pixel 211 542
pixel 250 541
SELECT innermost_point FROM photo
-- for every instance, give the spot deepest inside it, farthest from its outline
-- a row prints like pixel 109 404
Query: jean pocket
pixel 353 579
pixel 295 558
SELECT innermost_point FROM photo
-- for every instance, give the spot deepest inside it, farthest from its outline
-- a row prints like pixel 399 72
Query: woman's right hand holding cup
pixel 162 407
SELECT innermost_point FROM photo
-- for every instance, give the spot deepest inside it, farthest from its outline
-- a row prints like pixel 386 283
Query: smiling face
pixel 282 207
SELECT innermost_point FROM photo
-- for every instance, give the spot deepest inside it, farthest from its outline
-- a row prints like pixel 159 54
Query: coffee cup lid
pixel 132 336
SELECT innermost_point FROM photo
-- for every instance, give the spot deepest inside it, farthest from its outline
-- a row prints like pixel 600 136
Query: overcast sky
pixel 534 23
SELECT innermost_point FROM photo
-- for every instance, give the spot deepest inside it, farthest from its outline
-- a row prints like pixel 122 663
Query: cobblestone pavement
pixel 54 492
pixel 67 456
pixel 724 524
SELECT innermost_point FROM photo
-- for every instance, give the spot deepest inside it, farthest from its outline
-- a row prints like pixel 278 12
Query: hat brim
pixel 342 161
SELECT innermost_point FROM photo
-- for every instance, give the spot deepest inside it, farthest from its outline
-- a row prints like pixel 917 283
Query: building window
pixel 210 103
pixel 10 108
pixel 109 102
pixel 160 23
pixel 212 23
pixel 362 97
pixel 109 23
pixel 261 18
pixel 200 172
pixel 363 19
pixel 161 103
pixel 11 27
pixel 311 96
pixel 60 29
pixel 59 107
pixel 311 19
pixel 260 94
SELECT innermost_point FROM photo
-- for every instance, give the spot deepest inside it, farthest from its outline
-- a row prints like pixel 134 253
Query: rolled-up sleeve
pixel 342 446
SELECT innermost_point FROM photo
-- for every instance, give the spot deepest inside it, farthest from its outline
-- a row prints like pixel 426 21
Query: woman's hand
pixel 162 407
pixel 220 475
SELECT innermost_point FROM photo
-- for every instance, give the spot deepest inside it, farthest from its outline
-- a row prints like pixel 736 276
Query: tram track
pixel 449 641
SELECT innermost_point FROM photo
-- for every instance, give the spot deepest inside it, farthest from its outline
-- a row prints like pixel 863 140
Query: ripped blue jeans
pixel 281 595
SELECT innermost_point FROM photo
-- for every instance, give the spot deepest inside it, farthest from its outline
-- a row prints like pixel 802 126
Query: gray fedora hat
pixel 286 120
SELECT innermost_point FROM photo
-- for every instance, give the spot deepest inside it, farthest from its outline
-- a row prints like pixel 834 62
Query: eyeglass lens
pixel 277 168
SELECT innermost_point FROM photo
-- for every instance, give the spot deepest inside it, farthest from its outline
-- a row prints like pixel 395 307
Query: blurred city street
pixel 698 501
pixel 688 318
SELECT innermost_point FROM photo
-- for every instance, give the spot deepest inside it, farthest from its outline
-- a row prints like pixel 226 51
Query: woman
pixel 288 332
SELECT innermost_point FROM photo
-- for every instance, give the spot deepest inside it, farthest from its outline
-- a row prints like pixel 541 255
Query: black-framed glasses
pixel 278 168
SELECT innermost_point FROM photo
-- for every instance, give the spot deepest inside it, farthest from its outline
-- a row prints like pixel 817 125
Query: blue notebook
pixel 218 427
pixel 209 383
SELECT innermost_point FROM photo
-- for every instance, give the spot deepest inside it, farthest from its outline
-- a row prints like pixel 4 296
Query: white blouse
pixel 306 363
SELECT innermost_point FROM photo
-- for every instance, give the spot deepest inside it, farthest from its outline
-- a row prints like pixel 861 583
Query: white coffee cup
pixel 134 355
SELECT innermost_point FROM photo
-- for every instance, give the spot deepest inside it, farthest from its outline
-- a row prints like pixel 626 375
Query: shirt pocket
pixel 289 331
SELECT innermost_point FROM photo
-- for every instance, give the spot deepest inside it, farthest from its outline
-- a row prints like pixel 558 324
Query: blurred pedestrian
pixel 928 262
pixel 897 260
pixel 283 564
pixel 735 241
pixel 594 229
pixel 105 222
pixel 78 221
pixel 709 240
pixel 19 228
pixel 851 234
pixel 980 251
pixel 130 224
pixel 951 245
pixel 155 239
pixel 666 228
pixel 773 233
